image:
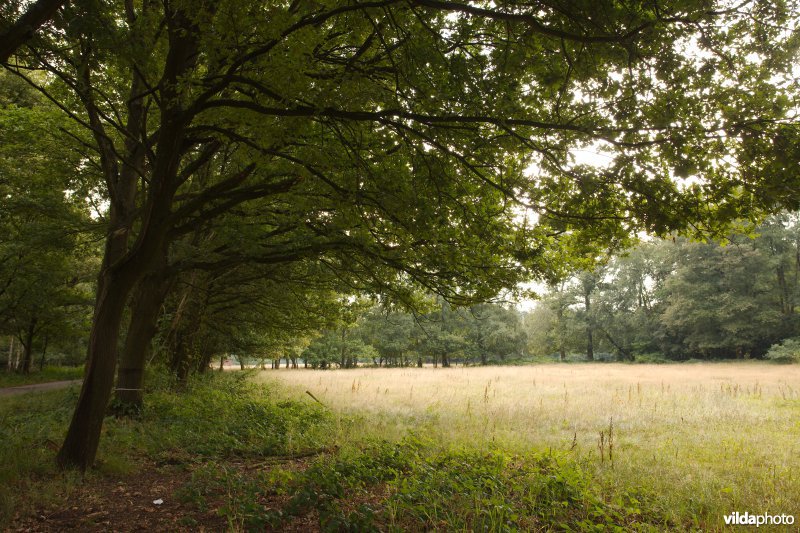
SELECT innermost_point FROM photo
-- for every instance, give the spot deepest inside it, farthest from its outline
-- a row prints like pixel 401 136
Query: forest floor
pixel 146 500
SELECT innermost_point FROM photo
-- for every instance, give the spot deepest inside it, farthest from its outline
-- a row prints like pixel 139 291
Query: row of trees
pixel 680 299
pixel 248 161
pixel 48 258
pixel 664 298
pixel 479 334
pixel 673 298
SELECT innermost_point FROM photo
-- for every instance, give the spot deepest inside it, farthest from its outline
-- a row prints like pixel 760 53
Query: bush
pixel 787 351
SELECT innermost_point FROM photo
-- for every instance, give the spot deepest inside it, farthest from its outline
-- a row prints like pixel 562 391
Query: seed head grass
pixel 703 439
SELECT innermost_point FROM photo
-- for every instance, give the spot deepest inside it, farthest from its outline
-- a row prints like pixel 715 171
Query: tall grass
pixel 703 440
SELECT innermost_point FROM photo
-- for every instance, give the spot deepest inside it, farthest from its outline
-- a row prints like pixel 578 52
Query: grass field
pixel 701 440
pixel 552 447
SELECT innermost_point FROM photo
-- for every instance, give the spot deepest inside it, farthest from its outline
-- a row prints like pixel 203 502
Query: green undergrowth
pixel 414 485
pixel 48 374
pixel 216 417
pixel 224 415
pixel 266 463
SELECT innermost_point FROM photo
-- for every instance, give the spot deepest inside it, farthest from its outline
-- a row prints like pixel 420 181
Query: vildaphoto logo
pixel 747 519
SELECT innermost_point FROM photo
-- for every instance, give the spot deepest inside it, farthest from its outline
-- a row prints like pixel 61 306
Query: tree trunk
pixel 28 345
pixel 204 361
pixel 343 351
pixel 589 333
pixel 176 336
pixel 44 353
pixel 179 363
pixel 150 293
pixel 562 352
pixel 17 356
pixel 121 268
pixel 625 353
pixel 11 354
pixel 83 437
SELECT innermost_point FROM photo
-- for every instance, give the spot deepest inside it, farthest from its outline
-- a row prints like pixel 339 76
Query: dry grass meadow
pixel 705 439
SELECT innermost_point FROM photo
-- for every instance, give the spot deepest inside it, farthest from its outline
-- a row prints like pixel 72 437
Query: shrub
pixel 787 351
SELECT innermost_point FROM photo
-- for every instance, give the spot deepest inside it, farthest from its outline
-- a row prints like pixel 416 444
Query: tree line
pixel 664 299
pixel 679 299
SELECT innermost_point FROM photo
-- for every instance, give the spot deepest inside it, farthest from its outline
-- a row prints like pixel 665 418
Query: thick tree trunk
pixel 151 291
pixel 80 445
pixel 122 268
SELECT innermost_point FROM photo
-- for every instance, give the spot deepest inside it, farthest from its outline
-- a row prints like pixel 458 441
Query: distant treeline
pixel 679 299
pixel 664 299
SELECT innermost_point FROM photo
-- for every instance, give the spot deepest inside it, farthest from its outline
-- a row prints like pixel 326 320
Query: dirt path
pixel 36 387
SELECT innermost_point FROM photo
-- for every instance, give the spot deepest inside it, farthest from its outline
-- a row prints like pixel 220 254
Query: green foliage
pixel 223 415
pixel 786 351
pixel 412 485
pixel 30 426
pixel 478 334
pixel 47 261
pixel 218 416
pixel 682 299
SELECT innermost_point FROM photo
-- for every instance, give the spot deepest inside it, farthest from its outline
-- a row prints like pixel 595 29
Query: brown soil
pixel 126 505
